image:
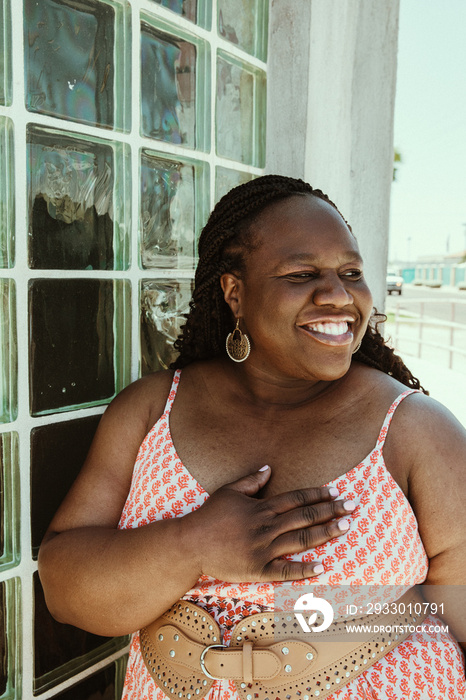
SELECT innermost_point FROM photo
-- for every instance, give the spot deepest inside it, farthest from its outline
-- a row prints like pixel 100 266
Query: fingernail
pixel 349 505
pixel 319 569
pixel 334 492
pixel 264 468
pixel 343 525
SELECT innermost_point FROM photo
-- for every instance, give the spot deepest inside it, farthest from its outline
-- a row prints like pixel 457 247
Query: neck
pixel 269 391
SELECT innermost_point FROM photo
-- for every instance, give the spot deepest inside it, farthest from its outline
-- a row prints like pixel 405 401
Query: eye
pixel 353 274
pixel 301 276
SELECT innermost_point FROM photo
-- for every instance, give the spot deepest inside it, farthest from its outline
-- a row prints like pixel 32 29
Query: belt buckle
pixel 203 668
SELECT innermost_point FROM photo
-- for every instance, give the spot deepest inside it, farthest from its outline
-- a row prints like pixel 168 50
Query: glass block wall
pixel 121 124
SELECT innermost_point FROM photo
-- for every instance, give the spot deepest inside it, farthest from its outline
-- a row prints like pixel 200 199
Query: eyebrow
pixel 308 258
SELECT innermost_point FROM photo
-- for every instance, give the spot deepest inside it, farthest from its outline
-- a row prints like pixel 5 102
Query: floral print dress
pixel 381 548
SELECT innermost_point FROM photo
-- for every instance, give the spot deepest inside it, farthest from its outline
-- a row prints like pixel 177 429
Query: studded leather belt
pixel 269 656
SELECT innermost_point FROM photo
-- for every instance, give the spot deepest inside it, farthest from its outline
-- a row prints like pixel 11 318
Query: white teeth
pixel 329 328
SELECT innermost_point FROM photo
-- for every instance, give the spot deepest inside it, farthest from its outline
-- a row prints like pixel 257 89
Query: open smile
pixel 337 333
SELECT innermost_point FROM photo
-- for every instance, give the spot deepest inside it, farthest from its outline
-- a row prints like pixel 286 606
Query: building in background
pixel 121 124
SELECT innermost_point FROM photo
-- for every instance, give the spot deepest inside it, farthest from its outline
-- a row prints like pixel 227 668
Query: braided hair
pixel 223 245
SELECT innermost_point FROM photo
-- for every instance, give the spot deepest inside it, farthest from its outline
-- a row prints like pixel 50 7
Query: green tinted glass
pixel 240 117
pixel 8 352
pixel 163 303
pixel 174 202
pixel 226 179
pixel 79 201
pixel 9 501
pixel 72 70
pixel 5 53
pixel 244 23
pixel 10 621
pixel 79 342
pixel 7 197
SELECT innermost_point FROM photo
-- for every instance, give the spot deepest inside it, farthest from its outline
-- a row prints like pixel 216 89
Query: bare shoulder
pixel 427 425
pixel 143 401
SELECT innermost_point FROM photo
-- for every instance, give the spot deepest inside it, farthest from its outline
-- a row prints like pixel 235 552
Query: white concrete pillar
pixel 330 110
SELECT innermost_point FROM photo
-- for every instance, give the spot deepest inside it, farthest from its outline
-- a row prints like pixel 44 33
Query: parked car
pixel 394 282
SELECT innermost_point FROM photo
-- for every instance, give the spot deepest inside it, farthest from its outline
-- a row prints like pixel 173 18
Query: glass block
pixel 61 651
pixel 5 53
pixel 7 201
pixel 79 194
pixel 72 68
pixel 58 452
pixel 244 23
pixel 104 685
pixel 163 305
pixel 174 207
pixel 8 352
pixel 186 8
pixel 9 501
pixel 174 86
pixel 240 117
pixel 79 342
pixel 10 620
pixel 226 179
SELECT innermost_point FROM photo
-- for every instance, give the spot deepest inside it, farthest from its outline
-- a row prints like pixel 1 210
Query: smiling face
pixel 302 297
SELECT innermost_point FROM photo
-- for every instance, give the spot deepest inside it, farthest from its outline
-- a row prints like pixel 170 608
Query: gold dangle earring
pixel 357 348
pixel 238 345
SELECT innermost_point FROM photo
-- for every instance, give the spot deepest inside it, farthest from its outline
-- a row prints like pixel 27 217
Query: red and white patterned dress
pixel 381 548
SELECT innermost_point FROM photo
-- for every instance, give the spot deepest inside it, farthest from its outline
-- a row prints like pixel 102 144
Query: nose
pixel 331 290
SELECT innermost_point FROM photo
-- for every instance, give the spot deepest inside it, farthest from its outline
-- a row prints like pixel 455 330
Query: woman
pixel 310 394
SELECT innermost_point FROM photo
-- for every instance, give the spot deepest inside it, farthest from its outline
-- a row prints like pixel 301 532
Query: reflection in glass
pixel 104 685
pixel 72 222
pixel 244 23
pixel 240 102
pixel 72 343
pixel 58 452
pixel 69 65
pixel 61 651
pixel 163 305
pixel 187 8
pixel 167 212
pixel 5 53
pixel 7 202
pixel 226 179
pixel 8 352
pixel 168 87
pixel 9 501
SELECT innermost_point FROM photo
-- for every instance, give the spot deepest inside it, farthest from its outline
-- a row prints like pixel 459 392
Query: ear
pixel 232 287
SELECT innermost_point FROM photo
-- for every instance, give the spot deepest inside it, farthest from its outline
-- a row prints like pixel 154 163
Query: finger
pixel 301 497
pixel 251 484
pixel 312 515
pixel 308 538
pixel 285 570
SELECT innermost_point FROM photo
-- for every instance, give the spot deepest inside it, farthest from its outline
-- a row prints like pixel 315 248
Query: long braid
pixel 223 244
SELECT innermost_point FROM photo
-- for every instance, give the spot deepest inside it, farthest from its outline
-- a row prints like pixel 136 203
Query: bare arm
pixel 437 493
pixel 113 582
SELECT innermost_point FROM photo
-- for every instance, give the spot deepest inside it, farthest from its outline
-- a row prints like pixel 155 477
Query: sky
pixel 428 203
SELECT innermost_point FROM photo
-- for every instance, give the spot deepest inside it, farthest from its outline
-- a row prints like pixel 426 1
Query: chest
pixel 305 449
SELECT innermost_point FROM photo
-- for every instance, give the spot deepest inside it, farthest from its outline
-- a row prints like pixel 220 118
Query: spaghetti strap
pixel 389 416
pixel 173 390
